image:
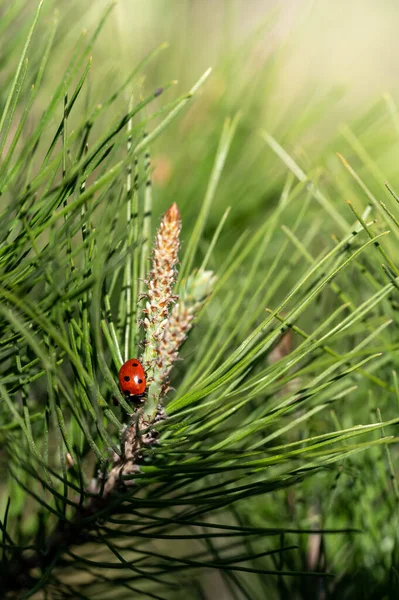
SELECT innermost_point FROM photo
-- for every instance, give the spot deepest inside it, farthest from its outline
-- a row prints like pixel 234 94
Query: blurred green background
pixel 300 70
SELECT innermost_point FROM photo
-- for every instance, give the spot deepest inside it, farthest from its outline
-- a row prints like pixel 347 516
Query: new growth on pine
pixel 160 283
pixel 168 317
pixel 193 295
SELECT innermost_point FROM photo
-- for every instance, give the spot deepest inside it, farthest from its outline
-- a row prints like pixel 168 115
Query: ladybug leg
pixel 138 398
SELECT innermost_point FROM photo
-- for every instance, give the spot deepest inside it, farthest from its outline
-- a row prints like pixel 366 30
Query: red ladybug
pixel 132 379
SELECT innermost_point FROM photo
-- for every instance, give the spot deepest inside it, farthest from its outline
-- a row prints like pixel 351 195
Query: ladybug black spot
pixel 126 378
pixel 139 381
pixel 135 364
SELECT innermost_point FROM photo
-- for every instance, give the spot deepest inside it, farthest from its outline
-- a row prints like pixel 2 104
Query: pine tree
pixel 242 457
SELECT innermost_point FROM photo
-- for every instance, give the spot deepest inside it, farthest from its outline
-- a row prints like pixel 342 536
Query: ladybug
pixel 132 380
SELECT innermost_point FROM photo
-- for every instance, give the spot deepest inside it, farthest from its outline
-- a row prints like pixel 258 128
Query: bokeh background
pixel 302 70
pixel 305 71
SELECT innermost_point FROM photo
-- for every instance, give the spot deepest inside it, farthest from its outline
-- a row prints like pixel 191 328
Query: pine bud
pixel 160 284
pixel 196 291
